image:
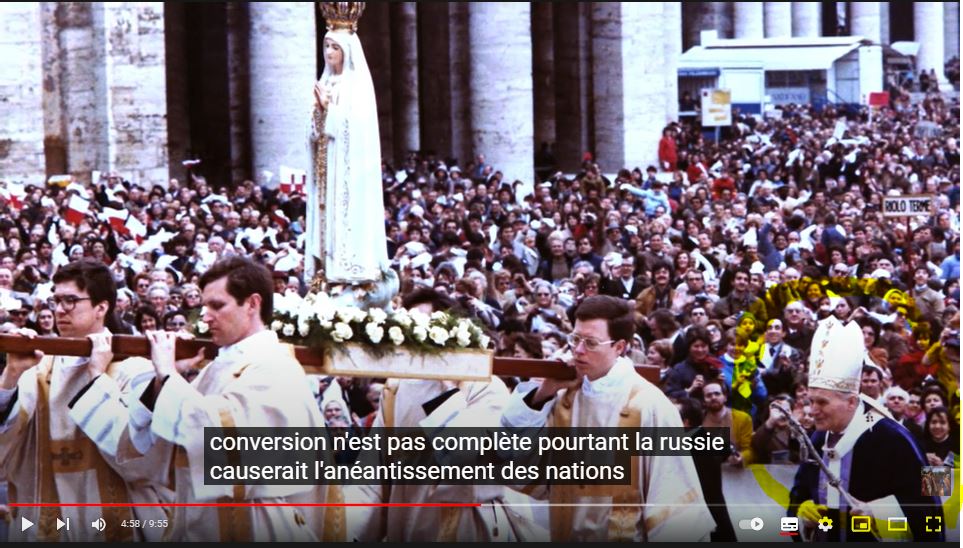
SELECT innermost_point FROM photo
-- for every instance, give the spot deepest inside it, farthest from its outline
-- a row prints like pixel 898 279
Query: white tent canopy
pixel 911 49
pixel 772 54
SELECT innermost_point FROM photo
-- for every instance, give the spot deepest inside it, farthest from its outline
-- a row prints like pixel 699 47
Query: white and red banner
pixel 77 209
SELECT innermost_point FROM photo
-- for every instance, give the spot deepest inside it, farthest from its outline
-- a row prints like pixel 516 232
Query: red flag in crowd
pixel 116 218
pixel 14 193
pixel 77 208
pixel 291 186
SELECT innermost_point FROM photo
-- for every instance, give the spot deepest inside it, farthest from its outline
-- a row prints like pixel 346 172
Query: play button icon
pixel 25 524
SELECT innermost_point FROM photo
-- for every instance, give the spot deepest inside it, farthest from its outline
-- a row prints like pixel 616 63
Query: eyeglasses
pixel 543 294
pixel 699 313
pixel 68 302
pixel 590 343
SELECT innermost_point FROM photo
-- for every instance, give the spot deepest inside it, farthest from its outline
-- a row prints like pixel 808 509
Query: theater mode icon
pixel 897 524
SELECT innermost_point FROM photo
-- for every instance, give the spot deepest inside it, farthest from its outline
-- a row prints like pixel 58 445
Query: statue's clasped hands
pixel 322 95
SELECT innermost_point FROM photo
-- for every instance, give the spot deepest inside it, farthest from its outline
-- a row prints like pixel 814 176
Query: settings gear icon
pixel 825 524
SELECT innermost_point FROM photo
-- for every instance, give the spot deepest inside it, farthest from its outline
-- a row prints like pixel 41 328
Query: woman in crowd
pixel 45 322
pixel 940 441
pixel 146 319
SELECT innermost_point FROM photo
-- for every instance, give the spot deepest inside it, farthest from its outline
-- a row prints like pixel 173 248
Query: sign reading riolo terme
pixel 911 205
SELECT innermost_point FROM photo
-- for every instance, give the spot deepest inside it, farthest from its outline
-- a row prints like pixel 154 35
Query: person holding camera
pixel 773 442
pixel 544 315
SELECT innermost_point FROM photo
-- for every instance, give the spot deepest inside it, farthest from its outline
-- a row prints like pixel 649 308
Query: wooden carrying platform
pixel 323 363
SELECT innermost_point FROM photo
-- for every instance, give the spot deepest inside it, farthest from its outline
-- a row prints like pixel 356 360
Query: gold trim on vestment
pixel 335 521
pixel 234 522
pixel 321 180
pixel 626 500
pixel 72 456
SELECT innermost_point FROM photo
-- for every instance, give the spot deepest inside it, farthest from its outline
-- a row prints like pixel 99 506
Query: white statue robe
pixel 476 404
pixel 666 505
pixel 253 383
pixel 353 244
pixel 52 453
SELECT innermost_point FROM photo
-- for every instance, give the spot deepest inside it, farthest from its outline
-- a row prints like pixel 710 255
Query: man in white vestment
pixel 55 452
pixel 666 503
pixel 432 404
pixel 254 382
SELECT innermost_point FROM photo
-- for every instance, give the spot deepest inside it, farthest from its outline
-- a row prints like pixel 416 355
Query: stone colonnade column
pixel 21 148
pixel 543 72
pixel 672 40
pixel 866 20
pixel 628 117
pixel 500 44
pixel 748 20
pixel 700 16
pixel 131 127
pixel 573 78
pixel 951 29
pixel 404 64
pixel 928 22
pixel 283 68
pixel 458 56
pixel 778 19
pixel 807 19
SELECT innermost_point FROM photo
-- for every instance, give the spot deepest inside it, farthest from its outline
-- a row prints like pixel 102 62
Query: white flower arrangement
pixel 317 321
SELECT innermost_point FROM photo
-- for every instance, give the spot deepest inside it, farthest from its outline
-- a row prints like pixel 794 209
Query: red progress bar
pixel 245 505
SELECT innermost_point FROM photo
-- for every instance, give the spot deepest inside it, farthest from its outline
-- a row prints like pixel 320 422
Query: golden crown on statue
pixel 341 15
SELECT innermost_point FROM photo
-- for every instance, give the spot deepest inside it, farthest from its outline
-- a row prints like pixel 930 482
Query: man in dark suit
pixel 623 284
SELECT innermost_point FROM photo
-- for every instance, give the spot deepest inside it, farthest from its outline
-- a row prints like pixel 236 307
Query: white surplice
pixel 51 453
pixel 253 383
pixel 669 504
pixel 475 404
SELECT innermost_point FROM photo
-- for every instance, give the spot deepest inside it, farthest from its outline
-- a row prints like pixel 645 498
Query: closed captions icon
pixel 789 527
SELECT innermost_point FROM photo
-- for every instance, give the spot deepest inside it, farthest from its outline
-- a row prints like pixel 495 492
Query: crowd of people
pixel 728 252
pixel 695 243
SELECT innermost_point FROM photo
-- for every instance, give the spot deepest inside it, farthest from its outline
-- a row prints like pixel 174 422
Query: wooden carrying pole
pixel 312 360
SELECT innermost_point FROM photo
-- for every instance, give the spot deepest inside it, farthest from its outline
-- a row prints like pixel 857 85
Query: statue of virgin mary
pixel 345 241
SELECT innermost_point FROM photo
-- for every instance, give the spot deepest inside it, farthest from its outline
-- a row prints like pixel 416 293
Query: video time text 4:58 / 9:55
pixel 161 523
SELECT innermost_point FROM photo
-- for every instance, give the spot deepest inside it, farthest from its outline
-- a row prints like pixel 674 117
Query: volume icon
pixel 99 524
